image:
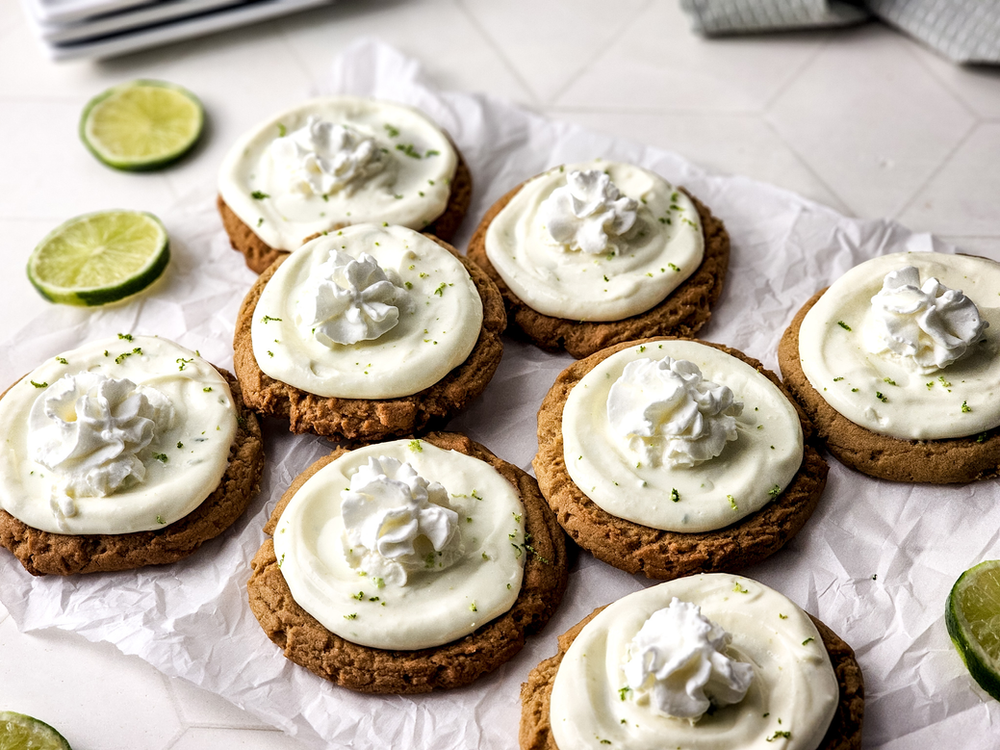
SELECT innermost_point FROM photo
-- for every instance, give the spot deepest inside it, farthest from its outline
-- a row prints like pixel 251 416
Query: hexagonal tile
pixel 873 126
pixel 961 198
pixel 657 64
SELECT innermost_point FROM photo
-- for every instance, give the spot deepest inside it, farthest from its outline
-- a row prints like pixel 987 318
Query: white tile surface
pixel 859 119
pixel 874 125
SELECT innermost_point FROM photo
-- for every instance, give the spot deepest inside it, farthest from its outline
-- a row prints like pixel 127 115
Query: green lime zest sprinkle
pixel 259 195
pixel 473 607
pixel 739 589
pixel 161 457
pixel 159 519
pixel 890 381
pixel 62 360
pixel 675 495
pixel 732 502
pixel 837 380
pixel 774 491
pixel 778 735
pixel 179 445
pixel 352 616
pixel 183 363
pixel 624 691
pixel 944 382
pixel 268 319
pixel 780 617
pixel 207 389
pixel 879 395
pixel 966 408
pixel 359 596
pixel 440 290
pixel 843 325
pixel 125 336
pixel 673 267
pixel 807 641
pixel 121 357
pixel 391 130
pixel 415 446
pixel 981 437
pixel 282 130
pixel 39 385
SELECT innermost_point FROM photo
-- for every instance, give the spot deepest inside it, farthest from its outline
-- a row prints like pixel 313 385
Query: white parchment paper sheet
pixel 875 562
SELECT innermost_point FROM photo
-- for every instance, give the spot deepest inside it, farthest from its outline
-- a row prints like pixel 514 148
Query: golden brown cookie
pixel 259 255
pixel 682 313
pixel 370 670
pixel 933 461
pixel 43 552
pixel 535 731
pixel 668 554
pixel 364 419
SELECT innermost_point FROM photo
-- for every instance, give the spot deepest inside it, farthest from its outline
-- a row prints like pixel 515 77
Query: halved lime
pixel 972 616
pixel 100 257
pixel 141 124
pixel 20 732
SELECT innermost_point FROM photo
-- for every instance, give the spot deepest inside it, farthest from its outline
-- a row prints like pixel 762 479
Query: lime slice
pixel 20 732
pixel 972 616
pixel 141 124
pixel 99 258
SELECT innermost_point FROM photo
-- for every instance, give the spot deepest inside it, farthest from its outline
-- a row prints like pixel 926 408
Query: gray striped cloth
pixel 966 31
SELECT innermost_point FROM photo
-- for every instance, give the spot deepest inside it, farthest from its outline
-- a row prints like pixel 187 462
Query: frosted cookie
pixel 897 364
pixel 471 563
pixel 710 661
pixel 672 456
pixel 594 254
pixel 123 453
pixel 368 332
pixel 337 161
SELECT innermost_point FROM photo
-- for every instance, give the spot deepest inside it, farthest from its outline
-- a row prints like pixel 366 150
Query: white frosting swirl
pixel 668 414
pixel 352 300
pixel 323 157
pixel 91 431
pixel 677 662
pixel 396 522
pixel 588 213
pixel 927 326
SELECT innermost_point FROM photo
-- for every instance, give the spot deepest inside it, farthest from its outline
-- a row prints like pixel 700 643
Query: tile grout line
pixel 586 67
pixel 498 51
pixel 820 48
pixel 911 51
pixel 945 160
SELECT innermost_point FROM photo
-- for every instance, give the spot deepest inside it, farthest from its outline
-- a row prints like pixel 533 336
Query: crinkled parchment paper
pixel 875 562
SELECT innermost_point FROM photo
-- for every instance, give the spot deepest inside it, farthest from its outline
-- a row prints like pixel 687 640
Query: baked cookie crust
pixel 682 313
pixel 535 732
pixel 43 552
pixel 947 461
pixel 370 670
pixel 259 255
pixel 373 419
pixel 668 554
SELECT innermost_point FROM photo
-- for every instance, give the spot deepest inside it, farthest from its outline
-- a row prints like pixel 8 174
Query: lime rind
pixel 23 732
pixel 972 617
pixel 126 127
pixel 86 261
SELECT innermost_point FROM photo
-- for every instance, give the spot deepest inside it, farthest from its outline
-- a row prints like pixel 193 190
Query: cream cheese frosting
pixel 614 468
pixel 336 161
pixel 596 241
pixel 366 312
pixel 789 703
pixel 118 436
pixel 470 573
pixel 893 345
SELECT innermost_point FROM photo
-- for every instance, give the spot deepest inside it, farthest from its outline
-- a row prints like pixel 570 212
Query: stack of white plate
pixel 104 28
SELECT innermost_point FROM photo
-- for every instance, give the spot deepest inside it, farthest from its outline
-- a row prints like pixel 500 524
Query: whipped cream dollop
pixel 352 300
pixel 588 213
pixel 596 241
pixel 336 161
pixel 789 702
pixel 678 663
pixel 323 157
pixel 669 414
pixel 91 430
pixel 928 326
pixel 872 344
pixel 396 522
pixel 117 436
pixel 646 487
pixel 383 564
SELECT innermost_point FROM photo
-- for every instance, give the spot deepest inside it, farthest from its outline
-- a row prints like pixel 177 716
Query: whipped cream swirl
pixel 588 213
pixel 322 157
pixel 677 663
pixel 668 414
pixel 91 430
pixel 352 300
pixel 926 326
pixel 397 523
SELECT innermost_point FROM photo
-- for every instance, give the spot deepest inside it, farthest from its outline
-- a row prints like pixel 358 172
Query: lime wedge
pixel 972 616
pixel 20 732
pixel 141 124
pixel 100 257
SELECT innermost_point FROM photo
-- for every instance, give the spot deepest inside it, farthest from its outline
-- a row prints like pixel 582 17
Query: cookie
pixel 683 312
pixel 341 161
pixel 376 418
pixel 844 733
pixel 656 553
pixel 377 670
pixel 888 415
pixel 44 552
